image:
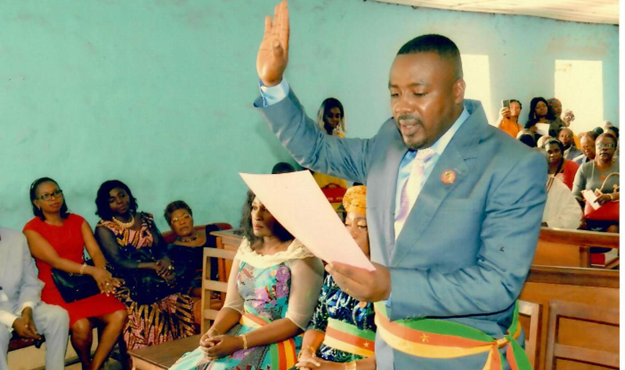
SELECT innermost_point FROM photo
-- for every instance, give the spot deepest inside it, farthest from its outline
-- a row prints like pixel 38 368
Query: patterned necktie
pixel 412 188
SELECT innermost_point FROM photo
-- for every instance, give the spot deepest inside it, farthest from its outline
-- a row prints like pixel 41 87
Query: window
pixel 477 76
pixel 579 86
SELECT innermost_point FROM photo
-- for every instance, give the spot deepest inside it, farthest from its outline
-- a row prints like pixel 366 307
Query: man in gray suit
pixel 454 206
pixel 21 309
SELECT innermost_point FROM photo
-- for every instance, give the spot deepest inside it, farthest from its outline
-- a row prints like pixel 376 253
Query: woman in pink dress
pixel 57 240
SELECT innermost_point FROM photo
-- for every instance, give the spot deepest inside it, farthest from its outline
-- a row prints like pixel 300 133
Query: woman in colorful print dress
pixel 137 253
pixel 272 291
pixel 341 334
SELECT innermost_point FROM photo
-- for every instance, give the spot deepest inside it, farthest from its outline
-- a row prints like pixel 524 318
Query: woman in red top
pixel 57 239
pixel 560 167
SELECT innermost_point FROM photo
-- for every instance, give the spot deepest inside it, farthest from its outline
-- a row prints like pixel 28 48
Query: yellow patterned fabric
pixel 169 319
pixel 355 199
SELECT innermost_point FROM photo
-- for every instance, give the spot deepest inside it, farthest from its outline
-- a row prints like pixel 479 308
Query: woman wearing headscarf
pixel 342 329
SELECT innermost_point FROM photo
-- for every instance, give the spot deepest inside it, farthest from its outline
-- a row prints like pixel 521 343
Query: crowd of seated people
pixel 278 298
pixel 146 288
pixel 576 164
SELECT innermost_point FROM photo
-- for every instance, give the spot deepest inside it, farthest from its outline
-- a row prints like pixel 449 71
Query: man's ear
pixel 459 88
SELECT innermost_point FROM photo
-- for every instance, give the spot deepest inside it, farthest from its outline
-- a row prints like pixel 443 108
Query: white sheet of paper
pixel 542 128
pixel 591 198
pixel 296 201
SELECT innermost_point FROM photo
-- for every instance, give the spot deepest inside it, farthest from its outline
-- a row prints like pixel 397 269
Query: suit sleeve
pixel 30 290
pixel 508 237
pixel 310 147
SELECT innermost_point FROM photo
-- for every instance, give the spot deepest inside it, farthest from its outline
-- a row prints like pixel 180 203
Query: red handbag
pixel 334 192
pixel 607 212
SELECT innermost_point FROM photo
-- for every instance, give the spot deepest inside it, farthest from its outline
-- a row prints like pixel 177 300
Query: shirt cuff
pixel 274 94
pixel 27 304
pixel 7 319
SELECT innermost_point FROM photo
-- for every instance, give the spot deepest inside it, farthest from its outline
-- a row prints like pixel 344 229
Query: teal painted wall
pixel 159 93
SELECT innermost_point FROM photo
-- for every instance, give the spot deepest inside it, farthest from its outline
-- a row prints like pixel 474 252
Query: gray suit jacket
pixel 466 247
pixel 18 276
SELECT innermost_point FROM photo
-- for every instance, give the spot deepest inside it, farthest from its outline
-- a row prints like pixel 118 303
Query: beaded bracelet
pixel 82 268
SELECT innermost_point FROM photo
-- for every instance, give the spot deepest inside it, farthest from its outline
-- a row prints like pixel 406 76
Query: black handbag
pixel 74 287
pixel 146 287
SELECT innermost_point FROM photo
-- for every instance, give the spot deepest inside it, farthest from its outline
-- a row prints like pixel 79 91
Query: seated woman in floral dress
pixel 137 253
pixel 57 240
pixel 342 331
pixel 272 291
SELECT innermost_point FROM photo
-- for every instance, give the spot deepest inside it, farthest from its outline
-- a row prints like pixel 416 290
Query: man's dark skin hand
pixel 25 326
pixel 365 286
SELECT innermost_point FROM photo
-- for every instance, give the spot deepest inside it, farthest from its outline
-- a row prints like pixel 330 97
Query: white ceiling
pixel 591 11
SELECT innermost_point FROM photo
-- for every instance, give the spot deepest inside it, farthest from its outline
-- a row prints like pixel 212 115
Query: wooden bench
pixel 559 247
pixel 163 356
pixel 597 287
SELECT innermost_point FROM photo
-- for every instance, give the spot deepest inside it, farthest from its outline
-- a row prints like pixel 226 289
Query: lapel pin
pixel 448 177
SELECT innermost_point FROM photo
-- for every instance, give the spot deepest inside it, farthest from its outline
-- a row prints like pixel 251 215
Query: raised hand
pixel 273 54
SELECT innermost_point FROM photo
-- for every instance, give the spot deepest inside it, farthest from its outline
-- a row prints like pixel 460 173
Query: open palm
pixel 273 53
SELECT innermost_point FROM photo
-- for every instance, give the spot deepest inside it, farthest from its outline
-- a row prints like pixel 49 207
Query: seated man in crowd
pixel 565 136
pixel 587 140
pixel 21 309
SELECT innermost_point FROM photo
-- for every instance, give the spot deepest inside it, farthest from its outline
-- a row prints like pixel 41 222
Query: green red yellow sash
pixel 348 338
pixel 283 354
pixel 433 338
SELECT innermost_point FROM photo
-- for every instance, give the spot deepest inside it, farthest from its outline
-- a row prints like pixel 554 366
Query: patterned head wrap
pixel 553 100
pixel 355 199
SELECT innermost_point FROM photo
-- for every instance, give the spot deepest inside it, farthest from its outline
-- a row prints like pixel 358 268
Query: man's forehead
pixel 422 68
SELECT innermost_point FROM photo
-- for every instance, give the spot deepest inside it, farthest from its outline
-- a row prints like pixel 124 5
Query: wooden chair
pixel 533 312
pixel 170 238
pixel 561 312
pixel 209 307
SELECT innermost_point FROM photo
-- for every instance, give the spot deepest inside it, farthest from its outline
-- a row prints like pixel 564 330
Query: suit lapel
pixel 454 158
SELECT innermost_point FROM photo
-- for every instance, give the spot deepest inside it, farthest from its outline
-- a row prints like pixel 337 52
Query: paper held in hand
pixel 591 198
pixel 296 201
pixel 542 129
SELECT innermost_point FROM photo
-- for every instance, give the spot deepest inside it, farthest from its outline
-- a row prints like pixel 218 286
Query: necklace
pixel 125 225
pixel 188 239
